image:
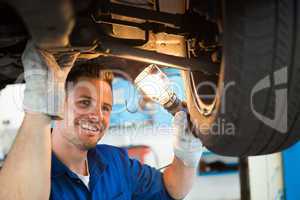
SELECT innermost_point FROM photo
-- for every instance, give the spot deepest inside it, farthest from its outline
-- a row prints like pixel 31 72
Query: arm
pixel 26 171
pixel 179 176
pixel 178 179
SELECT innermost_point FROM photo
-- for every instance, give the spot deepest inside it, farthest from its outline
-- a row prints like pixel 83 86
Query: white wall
pixel 11 115
pixel 266 178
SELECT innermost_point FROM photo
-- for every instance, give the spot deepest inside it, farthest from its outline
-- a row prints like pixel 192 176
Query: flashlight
pixel 153 83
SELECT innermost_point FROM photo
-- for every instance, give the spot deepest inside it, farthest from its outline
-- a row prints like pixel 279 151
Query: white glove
pixel 45 81
pixel 186 146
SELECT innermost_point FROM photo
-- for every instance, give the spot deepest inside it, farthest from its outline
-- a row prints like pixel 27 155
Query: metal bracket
pixel 109 46
pixel 180 24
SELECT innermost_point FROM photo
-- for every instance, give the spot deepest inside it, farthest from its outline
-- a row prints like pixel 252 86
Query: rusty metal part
pixel 49 23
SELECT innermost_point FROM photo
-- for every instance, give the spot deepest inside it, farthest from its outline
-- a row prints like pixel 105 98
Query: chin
pixel 89 146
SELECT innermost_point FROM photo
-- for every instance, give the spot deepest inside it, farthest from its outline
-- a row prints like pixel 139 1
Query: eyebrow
pixel 84 96
pixel 88 97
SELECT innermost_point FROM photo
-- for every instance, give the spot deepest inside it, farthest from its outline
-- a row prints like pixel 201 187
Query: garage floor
pixel 216 187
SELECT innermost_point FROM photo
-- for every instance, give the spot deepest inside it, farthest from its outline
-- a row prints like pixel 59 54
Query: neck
pixel 68 153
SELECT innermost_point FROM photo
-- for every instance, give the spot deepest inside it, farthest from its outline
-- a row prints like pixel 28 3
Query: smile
pixel 89 127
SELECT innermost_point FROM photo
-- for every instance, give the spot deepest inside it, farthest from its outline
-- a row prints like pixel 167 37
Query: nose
pixel 96 116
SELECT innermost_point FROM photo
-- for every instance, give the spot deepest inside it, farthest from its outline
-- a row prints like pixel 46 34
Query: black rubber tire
pixel 260 38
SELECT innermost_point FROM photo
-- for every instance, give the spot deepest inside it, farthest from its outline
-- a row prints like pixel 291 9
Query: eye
pixel 84 103
pixel 106 109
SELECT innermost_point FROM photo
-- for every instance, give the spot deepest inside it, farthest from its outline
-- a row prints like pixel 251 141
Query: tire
pixel 261 46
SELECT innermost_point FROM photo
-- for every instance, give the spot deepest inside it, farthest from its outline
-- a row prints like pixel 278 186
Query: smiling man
pixel 68 164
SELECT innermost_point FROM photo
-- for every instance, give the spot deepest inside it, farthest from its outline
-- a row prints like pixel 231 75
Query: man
pixel 81 169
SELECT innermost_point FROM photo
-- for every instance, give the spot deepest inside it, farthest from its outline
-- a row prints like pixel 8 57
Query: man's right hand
pixel 45 81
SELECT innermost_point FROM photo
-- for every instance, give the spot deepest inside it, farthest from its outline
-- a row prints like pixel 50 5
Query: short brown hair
pixel 89 70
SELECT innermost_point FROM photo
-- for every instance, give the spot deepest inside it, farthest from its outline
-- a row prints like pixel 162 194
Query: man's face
pixel 88 107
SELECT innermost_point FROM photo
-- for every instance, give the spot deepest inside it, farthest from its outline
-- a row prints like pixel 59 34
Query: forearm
pixel 178 179
pixel 26 171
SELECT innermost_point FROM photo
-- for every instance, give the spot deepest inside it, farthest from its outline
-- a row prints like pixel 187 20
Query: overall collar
pixel 96 164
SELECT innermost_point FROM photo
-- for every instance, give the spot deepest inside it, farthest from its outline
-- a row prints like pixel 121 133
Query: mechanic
pixel 68 164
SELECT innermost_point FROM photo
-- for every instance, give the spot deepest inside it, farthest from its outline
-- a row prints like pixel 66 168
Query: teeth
pixel 89 127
